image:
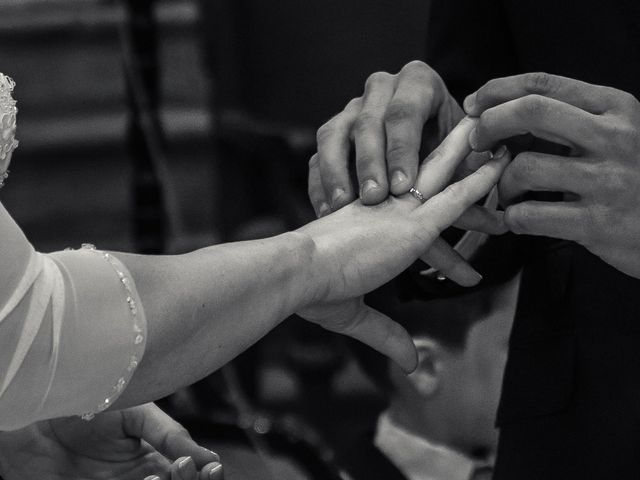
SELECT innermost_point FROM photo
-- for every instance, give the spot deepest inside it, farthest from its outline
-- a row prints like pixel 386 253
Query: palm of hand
pixel 347 248
pixel 70 449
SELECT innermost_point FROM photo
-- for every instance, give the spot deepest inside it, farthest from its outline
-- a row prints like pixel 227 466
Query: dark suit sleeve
pixel 468 43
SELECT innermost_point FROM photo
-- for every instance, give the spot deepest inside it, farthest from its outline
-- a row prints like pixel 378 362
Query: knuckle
pixel 522 168
pixel 455 190
pixel 539 82
pixel 376 79
pixel 612 179
pixel 534 105
pixel 325 131
pixel 400 112
pixel 354 104
pixel 515 217
pixel 365 163
pixel 396 151
pixel 589 173
pixel 624 136
pixel 625 99
pixel 365 122
pixel 417 66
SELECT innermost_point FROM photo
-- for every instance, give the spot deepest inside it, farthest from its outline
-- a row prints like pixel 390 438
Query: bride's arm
pixel 96 312
pixel 205 307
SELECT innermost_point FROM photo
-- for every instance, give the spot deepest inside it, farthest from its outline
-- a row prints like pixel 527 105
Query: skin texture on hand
pixel 600 179
pixel 384 127
pixel 359 248
pixel 134 444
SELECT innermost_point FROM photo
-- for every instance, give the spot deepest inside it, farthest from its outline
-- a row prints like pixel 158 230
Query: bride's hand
pixel 358 248
pixel 132 444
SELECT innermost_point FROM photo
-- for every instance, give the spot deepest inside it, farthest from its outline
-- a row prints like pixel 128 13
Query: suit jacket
pixel 570 404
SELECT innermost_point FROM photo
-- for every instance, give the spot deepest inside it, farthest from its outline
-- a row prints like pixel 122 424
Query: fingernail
pixel 214 473
pixel 409 369
pixel 500 152
pixel 469 103
pixel 398 178
pixel 211 453
pixel 324 209
pixel 187 468
pixel 475 279
pixel 473 139
pixel 338 193
pixel 368 186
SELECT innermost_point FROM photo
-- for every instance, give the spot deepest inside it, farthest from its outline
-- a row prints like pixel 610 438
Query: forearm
pixel 205 307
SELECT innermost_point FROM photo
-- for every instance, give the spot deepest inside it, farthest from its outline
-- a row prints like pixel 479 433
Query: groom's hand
pixel 384 127
pixel 600 178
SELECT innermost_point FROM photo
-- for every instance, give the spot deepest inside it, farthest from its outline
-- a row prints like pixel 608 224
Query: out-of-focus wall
pixel 71 176
pixel 300 61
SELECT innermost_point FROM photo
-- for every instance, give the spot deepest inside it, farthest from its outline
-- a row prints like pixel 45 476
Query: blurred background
pixel 166 126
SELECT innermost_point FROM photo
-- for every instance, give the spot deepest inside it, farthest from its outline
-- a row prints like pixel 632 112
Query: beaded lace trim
pixel 138 332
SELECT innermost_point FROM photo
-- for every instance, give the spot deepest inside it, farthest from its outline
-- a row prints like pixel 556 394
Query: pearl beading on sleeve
pixel 137 334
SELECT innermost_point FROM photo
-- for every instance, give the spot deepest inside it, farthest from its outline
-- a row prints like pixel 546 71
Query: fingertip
pixel 470 106
pixel 186 467
pixel 323 210
pixel 338 198
pixel 204 456
pixel 216 472
pixel 372 193
pixel 465 275
pixel 500 152
pixel 412 366
pixel 406 353
pixel 400 182
pixel 474 279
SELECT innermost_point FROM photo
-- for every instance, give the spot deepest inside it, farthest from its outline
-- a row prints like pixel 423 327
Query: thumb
pixel 149 423
pixel 382 334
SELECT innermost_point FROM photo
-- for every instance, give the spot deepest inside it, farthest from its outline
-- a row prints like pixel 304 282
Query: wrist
pixel 307 281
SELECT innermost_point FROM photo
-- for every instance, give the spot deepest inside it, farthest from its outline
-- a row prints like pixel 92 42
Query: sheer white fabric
pixel 72 327
pixel 72 331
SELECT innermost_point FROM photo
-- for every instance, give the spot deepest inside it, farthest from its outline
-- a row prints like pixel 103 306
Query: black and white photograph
pixel 319 240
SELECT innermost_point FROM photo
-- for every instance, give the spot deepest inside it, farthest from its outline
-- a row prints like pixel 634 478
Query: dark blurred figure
pixel 570 405
pixel 439 423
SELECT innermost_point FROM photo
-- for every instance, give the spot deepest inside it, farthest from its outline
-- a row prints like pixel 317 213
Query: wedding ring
pixel 417 194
